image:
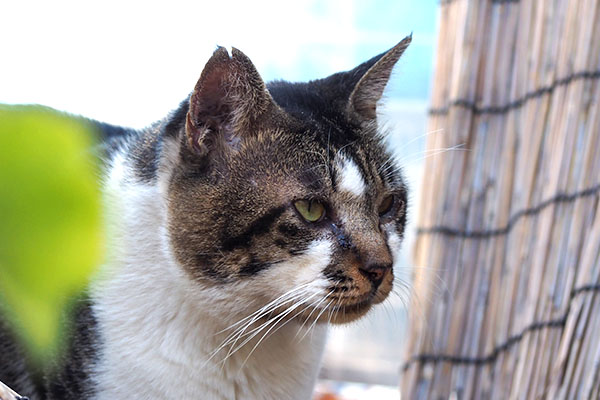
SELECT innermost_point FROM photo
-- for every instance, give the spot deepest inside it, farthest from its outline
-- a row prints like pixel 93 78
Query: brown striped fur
pixel 247 153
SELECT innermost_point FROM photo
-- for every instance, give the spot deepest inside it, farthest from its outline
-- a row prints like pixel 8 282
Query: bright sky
pixel 130 62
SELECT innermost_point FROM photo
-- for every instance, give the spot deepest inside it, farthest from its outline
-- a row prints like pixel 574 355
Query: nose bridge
pixel 368 241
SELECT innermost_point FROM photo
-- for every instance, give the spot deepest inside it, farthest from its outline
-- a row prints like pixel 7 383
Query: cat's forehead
pixel 352 162
pixel 351 178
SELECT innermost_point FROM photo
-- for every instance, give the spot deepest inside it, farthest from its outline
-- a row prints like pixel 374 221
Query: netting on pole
pixel 507 286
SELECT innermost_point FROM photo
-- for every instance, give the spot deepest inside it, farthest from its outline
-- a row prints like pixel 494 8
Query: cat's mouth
pixel 351 312
pixel 344 309
pixel 339 311
pixel 354 304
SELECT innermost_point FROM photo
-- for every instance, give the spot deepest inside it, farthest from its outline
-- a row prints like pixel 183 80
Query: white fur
pixel 351 180
pixel 159 329
pixel 394 241
pixel 305 268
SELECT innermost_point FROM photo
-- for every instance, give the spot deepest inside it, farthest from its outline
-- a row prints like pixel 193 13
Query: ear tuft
pixel 369 89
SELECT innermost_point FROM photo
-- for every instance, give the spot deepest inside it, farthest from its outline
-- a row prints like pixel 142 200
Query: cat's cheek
pixel 302 272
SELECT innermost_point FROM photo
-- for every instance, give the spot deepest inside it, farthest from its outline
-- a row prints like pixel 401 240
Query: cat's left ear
pixel 369 89
pixel 229 102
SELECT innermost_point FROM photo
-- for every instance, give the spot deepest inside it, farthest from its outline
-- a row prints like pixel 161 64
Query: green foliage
pixel 50 220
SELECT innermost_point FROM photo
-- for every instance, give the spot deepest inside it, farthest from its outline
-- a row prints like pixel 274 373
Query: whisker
pixel 431 153
pixel 269 331
pixel 346 145
pixel 310 328
pixel 404 145
pixel 241 332
pixel 314 306
pixel 289 296
pixel 273 321
pixel 289 292
pixel 317 318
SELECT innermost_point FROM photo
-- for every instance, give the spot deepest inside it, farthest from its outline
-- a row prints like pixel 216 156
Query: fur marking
pixel 259 226
pixel 350 178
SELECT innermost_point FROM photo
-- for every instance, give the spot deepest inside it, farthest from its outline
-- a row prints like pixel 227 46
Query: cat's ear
pixel 227 103
pixel 374 75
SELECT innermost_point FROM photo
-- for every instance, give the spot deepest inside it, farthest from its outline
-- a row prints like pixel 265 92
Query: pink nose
pixel 375 272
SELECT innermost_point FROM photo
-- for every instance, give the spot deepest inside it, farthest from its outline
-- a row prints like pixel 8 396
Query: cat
pixel 239 228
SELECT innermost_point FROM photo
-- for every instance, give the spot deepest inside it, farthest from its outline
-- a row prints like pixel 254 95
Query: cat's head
pixel 285 193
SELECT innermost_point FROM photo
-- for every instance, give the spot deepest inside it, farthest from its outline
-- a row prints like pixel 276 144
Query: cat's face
pixel 287 195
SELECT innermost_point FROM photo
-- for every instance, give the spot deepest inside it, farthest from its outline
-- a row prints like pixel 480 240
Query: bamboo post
pixel 507 279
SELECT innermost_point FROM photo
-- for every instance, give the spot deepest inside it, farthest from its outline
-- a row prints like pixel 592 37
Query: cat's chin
pixel 351 313
pixel 346 313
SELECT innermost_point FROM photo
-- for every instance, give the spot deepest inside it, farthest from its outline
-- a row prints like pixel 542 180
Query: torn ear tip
pixel 237 53
pixel 221 51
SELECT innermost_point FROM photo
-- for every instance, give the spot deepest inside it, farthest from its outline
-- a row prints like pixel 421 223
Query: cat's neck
pixel 160 329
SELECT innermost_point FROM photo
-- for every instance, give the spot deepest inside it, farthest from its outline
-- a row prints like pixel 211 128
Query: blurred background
pixel 130 63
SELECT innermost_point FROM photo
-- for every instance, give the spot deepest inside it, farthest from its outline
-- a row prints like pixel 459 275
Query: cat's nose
pixel 375 272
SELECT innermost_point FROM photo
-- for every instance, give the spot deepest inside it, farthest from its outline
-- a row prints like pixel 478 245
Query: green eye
pixel 311 210
pixel 386 205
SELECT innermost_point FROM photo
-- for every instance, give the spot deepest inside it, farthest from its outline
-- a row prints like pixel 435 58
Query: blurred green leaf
pixel 50 220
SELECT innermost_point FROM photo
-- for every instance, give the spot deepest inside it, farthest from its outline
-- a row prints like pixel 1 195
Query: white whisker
pixel 431 153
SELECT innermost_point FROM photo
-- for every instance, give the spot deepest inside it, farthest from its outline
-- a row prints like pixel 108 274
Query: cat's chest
pixel 173 361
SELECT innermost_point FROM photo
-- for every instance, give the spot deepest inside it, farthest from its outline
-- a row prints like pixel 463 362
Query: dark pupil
pixel 386 205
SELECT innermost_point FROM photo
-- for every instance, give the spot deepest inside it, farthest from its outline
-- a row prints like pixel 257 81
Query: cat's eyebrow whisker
pixel 328 152
pixel 431 153
pixel 404 145
pixel 316 166
pixel 324 164
pixel 384 168
pixel 441 151
pixel 347 145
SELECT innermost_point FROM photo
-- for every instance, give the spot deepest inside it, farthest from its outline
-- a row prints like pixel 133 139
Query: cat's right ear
pixel 373 77
pixel 228 103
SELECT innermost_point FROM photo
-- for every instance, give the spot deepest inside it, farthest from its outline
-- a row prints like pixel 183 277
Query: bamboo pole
pixel 509 288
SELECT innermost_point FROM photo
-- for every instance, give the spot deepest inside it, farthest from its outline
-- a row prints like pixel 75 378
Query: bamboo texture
pixel 506 300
